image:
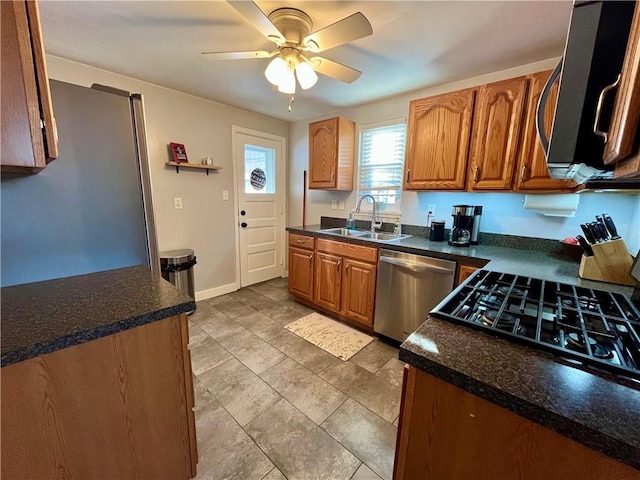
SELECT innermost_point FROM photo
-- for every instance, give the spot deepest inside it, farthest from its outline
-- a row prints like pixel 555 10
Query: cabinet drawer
pixel 359 252
pixel 301 241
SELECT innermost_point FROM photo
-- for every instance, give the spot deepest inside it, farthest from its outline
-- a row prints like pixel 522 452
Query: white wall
pixel 206 223
pixel 503 212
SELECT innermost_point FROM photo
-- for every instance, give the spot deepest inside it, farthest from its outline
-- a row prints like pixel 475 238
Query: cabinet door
pixel 328 274
pixel 464 272
pixel 301 273
pixel 438 141
pixel 496 133
pixel 624 123
pixel 24 91
pixel 532 172
pixel 323 153
pixel 358 291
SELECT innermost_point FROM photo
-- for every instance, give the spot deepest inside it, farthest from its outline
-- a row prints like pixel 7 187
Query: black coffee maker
pixel 460 234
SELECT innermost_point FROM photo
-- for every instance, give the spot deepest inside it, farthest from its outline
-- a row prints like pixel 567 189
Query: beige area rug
pixel 331 336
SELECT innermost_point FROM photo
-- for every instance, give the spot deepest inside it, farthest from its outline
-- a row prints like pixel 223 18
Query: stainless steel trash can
pixel 176 266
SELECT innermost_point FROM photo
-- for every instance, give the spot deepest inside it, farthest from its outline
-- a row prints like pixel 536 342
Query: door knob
pixel 243 224
pixel 243 213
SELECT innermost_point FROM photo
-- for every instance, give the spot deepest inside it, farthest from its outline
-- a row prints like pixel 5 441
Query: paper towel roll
pixel 560 205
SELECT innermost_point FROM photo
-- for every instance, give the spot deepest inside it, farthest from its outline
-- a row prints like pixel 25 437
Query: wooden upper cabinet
pixel 331 154
pixel 532 173
pixel 29 139
pixel 497 124
pixel 438 141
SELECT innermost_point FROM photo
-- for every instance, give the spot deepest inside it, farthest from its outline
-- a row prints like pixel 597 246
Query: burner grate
pixel 596 327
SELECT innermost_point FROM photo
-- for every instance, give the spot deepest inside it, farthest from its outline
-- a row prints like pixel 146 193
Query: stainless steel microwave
pixel 593 58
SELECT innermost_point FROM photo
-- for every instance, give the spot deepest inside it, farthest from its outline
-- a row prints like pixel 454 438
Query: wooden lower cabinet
pixel 328 281
pixel 301 273
pixel 117 407
pixel 464 272
pixel 448 433
pixel 359 290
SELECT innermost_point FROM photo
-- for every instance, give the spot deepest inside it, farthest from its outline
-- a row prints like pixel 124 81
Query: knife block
pixel 611 262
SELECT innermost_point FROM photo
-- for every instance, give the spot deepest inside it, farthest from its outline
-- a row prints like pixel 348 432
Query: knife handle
pixel 611 227
pixel 587 233
pixel 586 248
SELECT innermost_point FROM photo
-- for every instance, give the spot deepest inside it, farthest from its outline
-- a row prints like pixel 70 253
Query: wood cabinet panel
pixel 438 141
pixel 328 281
pixel 448 433
pixel 464 272
pixel 25 95
pixel 359 291
pixel 301 273
pixel 626 113
pixel 358 252
pixel 115 407
pixel 532 173
pixel 496 134
pixel 331 154
pixel 301 241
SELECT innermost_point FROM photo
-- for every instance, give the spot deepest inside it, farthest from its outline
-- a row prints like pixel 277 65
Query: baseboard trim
pixel 217 291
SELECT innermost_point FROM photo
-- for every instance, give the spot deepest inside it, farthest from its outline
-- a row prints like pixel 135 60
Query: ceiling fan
pixel 289 29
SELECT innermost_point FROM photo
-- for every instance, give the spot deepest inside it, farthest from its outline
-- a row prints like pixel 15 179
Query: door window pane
pixel 259 170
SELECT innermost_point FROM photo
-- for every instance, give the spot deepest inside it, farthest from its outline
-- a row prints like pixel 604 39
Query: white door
pixel 260 175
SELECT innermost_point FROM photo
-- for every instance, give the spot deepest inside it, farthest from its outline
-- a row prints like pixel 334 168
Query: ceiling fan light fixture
pixel 306 75
pixel 288 84
pixel 277 71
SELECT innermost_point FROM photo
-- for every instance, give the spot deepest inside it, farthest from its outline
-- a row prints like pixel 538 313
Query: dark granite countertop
pixel 594 409
pixel 42 317
pixel 532 263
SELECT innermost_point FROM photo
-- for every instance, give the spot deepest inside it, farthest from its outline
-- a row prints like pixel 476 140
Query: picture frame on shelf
pixel 178 153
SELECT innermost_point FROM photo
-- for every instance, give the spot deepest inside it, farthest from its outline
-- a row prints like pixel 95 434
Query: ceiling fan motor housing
pixel 294 24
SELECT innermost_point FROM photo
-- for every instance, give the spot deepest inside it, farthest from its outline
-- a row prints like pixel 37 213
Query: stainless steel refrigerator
pixel 89 210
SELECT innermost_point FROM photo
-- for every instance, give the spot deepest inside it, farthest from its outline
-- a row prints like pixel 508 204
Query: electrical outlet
pixel 225 194
pixel 177 203
pixel 334 204
pixel 341 206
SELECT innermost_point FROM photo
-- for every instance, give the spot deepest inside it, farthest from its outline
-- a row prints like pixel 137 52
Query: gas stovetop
pixel 594 327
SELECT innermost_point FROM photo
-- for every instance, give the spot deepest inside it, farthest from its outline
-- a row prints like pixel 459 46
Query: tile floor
pixel 270 405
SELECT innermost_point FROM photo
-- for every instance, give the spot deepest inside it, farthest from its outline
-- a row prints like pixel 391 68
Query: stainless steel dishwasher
pixel 408 287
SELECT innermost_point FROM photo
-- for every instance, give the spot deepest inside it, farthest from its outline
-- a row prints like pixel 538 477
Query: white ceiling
pixel 414 45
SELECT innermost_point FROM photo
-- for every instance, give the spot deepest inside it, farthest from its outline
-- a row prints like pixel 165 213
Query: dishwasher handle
pixel 416 267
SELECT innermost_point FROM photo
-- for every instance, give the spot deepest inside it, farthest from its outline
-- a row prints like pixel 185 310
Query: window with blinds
pixel 381 164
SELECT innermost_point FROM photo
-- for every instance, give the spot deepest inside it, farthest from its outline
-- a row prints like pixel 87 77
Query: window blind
pixel 381 164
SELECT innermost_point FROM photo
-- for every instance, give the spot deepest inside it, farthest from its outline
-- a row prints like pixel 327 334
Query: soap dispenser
pixel 351 223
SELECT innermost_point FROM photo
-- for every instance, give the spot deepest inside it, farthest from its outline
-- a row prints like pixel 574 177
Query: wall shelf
pixel 193 165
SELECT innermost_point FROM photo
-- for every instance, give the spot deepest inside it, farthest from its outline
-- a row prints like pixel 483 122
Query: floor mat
pixel 331 336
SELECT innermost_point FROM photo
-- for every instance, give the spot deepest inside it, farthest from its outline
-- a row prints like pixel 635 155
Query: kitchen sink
pixel 382 236
pixel 345 232
pixel 365 234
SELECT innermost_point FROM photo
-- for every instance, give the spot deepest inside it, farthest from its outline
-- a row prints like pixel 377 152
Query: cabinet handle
pixel 333 174
pixel 301 241
pixel 408 175
pixel 603 93
pixel 476 170
pixel 310 257
pixel 523 174
pixel 347 269
pixel 338 265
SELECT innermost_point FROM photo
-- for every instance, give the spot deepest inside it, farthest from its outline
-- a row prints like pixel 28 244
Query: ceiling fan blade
pixel 343 31
pixel 239 55
pixel 334 69
pixel 251 12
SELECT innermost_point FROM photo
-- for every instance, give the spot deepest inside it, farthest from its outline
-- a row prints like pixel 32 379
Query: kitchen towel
pixel 331 336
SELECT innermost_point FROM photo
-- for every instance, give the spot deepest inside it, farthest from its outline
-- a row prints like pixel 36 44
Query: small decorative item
pixel 258 179
pixel 178 152
pixel 207 161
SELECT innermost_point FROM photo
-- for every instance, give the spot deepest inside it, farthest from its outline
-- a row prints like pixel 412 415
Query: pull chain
pixel 291 100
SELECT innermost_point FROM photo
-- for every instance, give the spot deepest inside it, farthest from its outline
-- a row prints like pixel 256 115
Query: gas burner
pixel 585 303
pixel 575 341
pixel 515 292
pixel 506 321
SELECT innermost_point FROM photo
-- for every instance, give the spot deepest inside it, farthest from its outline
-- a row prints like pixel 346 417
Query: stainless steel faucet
pixel 374 224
